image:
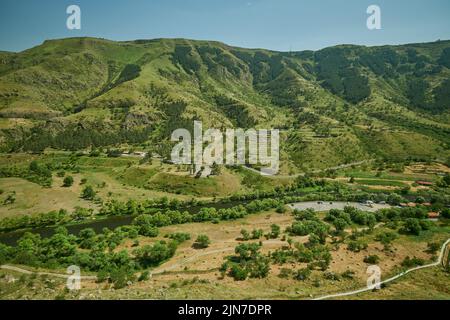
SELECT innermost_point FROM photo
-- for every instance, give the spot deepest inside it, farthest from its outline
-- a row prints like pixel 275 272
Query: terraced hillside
pixel 338 105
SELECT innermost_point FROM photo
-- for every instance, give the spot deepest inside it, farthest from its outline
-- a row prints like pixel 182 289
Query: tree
pixel 68 181
pixel 260 267
pixel 274 231
pixel 386 238
pixel 34 166
pixel 148 256
pixel 88 193
pixel 340 224
pixel 202 241
pixel 121 277
pixel 257 234
pixel 238 272
pixel 86 238
pixel 412 226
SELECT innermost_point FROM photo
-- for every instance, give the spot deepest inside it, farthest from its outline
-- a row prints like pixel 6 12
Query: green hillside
pixel 338 105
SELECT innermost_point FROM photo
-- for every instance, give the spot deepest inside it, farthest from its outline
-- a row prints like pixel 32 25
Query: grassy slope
pixel 226 86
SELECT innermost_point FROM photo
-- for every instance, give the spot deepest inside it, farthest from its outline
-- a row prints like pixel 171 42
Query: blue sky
pixel 273 24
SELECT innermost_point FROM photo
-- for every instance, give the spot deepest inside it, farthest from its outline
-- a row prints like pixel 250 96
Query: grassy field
pixel 120 178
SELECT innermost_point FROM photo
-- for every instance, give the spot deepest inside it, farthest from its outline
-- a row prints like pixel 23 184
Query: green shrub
pixel 202 241
pixel 372 259
pixel 68 181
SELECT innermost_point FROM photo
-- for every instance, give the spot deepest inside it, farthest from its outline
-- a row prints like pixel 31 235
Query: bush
pixel 202 241
pixel 331 276
pixel 68 181
pixel 348 274
pixel 357 246
pixel 372 259
pixel 245 235
pixel 433 247
pixel 445 213
pixel 302 274
pixel 144 276
pixel 386 238
pixel 88 193
pixel 180 237
pixel 257 234
pixel 238 272
pixel 120 277
pixel 412 262
pixel 281 209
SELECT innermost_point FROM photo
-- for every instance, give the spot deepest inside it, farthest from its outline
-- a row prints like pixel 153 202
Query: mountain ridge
pixel 140 90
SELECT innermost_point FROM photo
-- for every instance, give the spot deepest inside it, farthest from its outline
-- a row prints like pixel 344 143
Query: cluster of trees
pixel 90 251
pixel 35 172
pixel 248 262
pixel 317 256
pixel 340 76
pixel 152 213
pixel 148 223
pixel 256 234
pixel 74 138
pixel 316 229
pixel 149 256
pixel 351 214
pixel 180 237
pixel 35 221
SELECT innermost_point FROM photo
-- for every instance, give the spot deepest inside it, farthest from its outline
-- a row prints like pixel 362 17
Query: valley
pixel 87 178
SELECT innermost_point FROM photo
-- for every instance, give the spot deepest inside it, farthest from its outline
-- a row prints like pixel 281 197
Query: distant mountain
pixel 338 105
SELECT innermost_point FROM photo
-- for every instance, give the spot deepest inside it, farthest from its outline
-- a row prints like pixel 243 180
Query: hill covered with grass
pixel 337 105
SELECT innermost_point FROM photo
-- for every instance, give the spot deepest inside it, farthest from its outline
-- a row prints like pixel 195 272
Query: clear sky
pixel 272 24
